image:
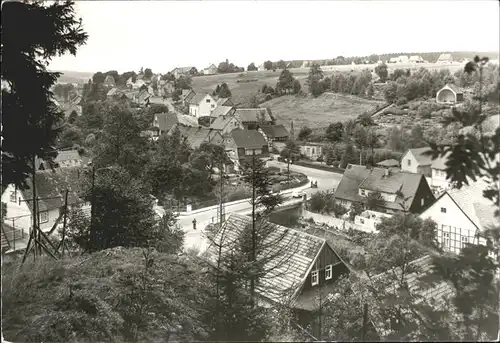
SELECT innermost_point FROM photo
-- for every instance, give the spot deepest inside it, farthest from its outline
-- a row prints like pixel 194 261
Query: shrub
pixel 238 194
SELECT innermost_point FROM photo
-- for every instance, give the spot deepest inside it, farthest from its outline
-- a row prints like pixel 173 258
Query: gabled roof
pixel 197 98
pixel 359 177
pixel 252 115
pixel 422 159
pixel 220 122
pixel 221 111
pixel 143 95
pixel 182 69
pixel 195 136
pixel 53 183
pixel 113 91
pixel 167 120
pixel 211 66
pixel 388 163
pixel 471 201
pixel 109 79
pixel 248 139
pixel 223 101
pixel 274 131
pixel 445 57
pixel 290 272
pixel 189 95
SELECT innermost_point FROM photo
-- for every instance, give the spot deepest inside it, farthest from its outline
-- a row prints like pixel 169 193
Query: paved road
pixel 194 238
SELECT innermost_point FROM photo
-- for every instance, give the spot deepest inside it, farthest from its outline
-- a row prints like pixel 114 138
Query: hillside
pixel 74 76
pixel 318 112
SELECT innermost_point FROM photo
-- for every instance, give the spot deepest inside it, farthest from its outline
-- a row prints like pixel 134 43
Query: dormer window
pixel 314 278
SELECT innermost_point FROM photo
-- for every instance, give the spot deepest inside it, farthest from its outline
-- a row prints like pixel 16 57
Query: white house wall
pixel 439 179
pixel 18 214
pixel 454 227
pixel 413 167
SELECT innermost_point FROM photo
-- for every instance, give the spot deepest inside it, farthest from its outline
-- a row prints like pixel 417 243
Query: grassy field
pixel 318 112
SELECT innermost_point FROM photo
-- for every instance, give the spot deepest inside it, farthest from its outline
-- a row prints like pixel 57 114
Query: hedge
pixel 321 167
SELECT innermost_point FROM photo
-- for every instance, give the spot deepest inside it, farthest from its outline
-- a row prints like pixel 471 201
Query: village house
pixel 416 59
pixel 165 88
pixel 187 95
pixel 400 191
pixel 416 161
pixel 261 67
pixel 210 70
pixel 449 94
pixel 307 266
pixel 182 71
pixel 164 122
pixel 116 94
pixel 222 111
pixel 311 150
pixel 445 59
pixel 462 215
pixel 143 98
pixel 196 136
pixel 224 102
pixel 50 189
pixel 202 105
pixel 64 159
pixel 251 118
pixel 109 81
pixel 390 163
pixel 241 145
pixel 226 123
pixel 368 220
pixel 275 135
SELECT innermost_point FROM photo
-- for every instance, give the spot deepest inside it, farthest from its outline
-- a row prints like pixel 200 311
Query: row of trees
pixel 226 67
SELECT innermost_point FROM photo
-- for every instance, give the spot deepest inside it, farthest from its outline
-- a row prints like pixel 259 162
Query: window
pixel 362 192
pixel 43 216
pixel 362 220
pixel 208 101
pixel 409 162
pixel 314 278
pixel 13 196
pixel 313 151
pixel 422 202
pixel 443 210
pixel 213 105
pixel 328 272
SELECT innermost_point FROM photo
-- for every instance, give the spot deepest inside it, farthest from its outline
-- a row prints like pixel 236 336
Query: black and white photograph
pixel 250 171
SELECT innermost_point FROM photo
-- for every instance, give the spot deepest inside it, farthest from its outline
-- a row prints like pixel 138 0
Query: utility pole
pixel 65 218
pixel 92 207
pixel 365 321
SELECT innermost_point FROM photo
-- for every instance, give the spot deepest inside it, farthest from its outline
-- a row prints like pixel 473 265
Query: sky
pixel 161 35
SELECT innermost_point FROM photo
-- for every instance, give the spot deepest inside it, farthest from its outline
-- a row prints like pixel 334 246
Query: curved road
pixel 194 238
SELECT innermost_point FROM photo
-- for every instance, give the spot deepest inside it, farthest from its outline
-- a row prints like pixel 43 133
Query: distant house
pixel 202 105
pixel 369 220
pixel 227 122
pixel 261 67
pixel 311 150
pixel 388 164
pixel 182 71
pixel 210 70
pixel 393 60
pixel 462 216
pixel 400 191
pixel 187 95
pixel 416 59
pixel 142 98
pixel 130 82
pixel 274 134
pixel 224 102
pixel 309 264
pixel 64 159
pixel 50 189
pixel 416 161
pixel 449 94
pixel 109 81
pixel 165 88
pixel 164 122
pixel 241 145
pixel 196 136
pixel 445 59
pixel 222 111
pixel 252 117
pixel 116 94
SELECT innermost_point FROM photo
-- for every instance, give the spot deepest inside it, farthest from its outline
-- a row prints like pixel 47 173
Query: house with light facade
pixel 462 215
pixel 202 105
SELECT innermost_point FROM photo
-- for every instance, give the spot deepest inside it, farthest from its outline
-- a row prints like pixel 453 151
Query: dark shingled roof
pixel 274 131
pixel 167 120
pixel 221 122
pixel 196 136
pixel 221 111
pixel 51 184
pixel 287 274
pixel 359 177
pixel 248 139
